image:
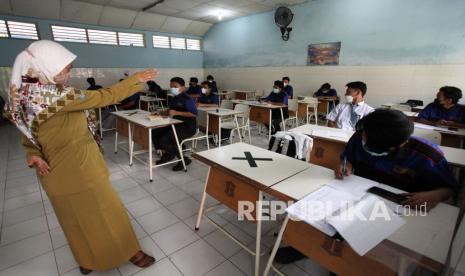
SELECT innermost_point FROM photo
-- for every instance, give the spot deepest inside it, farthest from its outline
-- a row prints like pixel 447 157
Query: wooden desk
pixel 423 240
pixel 135 125
pixel 302 110
pixel 243 95
pixel 449 138
pixel 232 181
pixel 323 105
pixel 214 117
pixel 145 102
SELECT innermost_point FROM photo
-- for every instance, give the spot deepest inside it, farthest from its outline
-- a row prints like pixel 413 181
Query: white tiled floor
pixel 163 215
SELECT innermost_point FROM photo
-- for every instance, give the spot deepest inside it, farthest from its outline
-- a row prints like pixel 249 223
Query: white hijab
pixel 45 58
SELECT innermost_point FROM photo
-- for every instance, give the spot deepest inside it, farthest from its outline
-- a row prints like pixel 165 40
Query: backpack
pixel 283 145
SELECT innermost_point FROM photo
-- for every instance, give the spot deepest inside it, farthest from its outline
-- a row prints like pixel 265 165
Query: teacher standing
pixel 70 166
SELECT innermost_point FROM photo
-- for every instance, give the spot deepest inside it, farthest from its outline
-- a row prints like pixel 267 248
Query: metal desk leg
pixel 276 246
pixel 100 122
pixel 179 147
pixel 219 131
pixel 150 156
pixel 282 119
pixel 130 143
pixel 258 217
pixel 202 202
pixel 206 133
pixel 269 127
pixel 238 130
pixel 116 140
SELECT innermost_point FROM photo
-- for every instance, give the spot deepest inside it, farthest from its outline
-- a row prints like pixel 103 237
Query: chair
pixel 432 136
pixel 243 122
pixel 293 106
pixel 401 107
pixel 312 109
pixel 259 93
pixel 101 129
pixel 226 104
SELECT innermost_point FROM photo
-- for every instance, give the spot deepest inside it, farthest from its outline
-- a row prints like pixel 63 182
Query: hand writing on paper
pixel 146 75
pixel 339 172
pixel 39 163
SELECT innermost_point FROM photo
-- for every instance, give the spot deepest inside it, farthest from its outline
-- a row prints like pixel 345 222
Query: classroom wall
pixel 401 48
pixel 106 63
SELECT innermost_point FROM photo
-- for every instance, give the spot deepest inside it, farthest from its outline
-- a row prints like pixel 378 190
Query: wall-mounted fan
pixel 283 17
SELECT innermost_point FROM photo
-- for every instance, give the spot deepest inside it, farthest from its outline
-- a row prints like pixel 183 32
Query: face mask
pixel 325 91
pixel 349 99
pixel 365 148
pixel 204 91
pixel 174 91
pixel 62 79
pixel 275 90
pixel 285 84
pixel 210 81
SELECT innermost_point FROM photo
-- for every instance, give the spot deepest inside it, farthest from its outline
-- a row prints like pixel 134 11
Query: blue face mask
pixel 365 148
pixel 275 90
pixel 174 91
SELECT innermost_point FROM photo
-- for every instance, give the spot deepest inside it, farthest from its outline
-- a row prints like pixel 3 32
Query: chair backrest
pixel 432 136
pixel 226 104
pixel 259 92
pixel 311 99
pixel 401 107
pixel 292 104
pixel 244 108
pixel 201 118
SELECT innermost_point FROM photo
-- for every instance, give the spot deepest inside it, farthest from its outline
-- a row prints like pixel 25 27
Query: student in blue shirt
pixel 288 88
pixel 194 87
pixel 93 85
pixel 383 150
pixel 326 92
pixel 445 110
pixel 181 107
pixel 211 80
pixel 130 102
pixel 278 97
pixel 208 98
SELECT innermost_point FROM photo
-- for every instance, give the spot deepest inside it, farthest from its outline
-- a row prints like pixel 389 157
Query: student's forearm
pixel 426 122
pixel 331 124
pixel 444 193
pixel 185 114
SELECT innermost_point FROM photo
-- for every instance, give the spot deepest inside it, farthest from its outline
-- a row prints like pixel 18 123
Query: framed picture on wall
pixel 323 53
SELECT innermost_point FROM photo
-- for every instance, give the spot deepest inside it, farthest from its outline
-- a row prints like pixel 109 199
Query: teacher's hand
pixel 146 75
pixel 39 163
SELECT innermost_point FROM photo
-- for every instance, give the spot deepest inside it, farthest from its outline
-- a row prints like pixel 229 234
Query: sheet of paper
pixel 317 206
pixel 424 126
pixel 366 224
pixel 355 185
pixel 330 134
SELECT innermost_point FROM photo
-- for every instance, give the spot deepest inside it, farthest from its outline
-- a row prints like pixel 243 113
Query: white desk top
pixel 223 112
pixel 258 104
pixel 410 113
pixel 305 182
pixel 341 135
pixel 242 91
pixel 267 173
pixel 149 99
pixel 454 156
pixel 445 130
pixel 141 118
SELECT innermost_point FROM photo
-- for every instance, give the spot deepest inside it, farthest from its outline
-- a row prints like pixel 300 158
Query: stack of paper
pixel 343 206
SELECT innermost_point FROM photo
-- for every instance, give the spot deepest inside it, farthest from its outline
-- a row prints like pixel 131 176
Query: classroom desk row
pixel 241 173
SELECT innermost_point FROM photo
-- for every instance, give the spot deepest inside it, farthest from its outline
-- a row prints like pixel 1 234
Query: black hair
pixel 194 79
pixel 210 77
pixel 451 92
pixel 326 86
pixel 286 78
pixel 121 79
pixel 279 84
pixel 178 80
pixel 208 84
pixel 91 81
pixel 384 129
pixel 358 85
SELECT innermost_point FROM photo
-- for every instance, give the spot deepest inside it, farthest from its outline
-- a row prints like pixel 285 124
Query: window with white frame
pixel 69 34
pixel 160 41
pixel 131 39
pixel 178 43
pixel 193 44
pixel 102 37
pixel 17 29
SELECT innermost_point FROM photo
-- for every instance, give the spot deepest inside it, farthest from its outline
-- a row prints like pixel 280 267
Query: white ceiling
pixel 188 17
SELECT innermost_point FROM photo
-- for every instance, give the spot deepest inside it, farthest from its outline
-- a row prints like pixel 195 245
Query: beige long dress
pixel 89 210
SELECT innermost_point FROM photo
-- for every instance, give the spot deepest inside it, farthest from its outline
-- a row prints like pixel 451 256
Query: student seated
pixel 211 80
pixel 208 98
pixel 130 102
pixel 156 90
pixel 326 92
pixel 288 88
pixel 346 115
pixel 194 87
pixel 92 85
pixel 445 110
pixel 278 97
pixel 384 151
pixel 181 107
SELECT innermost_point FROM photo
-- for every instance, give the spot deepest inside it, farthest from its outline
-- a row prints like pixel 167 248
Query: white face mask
pixel 285 84
pixel 325 91
pixel 204 91
pixel 275 90
pixel 174 91
pixel 365 148
pixel 210 81
pixel 349 99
